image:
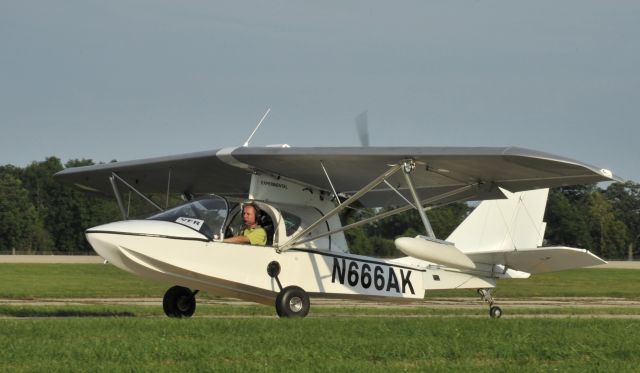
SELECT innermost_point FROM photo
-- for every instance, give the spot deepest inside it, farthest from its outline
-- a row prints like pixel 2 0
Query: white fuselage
pixel 180 254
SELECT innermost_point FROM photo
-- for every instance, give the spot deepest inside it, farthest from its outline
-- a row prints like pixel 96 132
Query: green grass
pixel 205 310
pixel 110 337
pixel 25 281
pixel 321 344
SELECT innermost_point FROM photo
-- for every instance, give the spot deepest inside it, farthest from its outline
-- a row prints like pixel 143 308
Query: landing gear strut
pixel 494 311
pixel 179 302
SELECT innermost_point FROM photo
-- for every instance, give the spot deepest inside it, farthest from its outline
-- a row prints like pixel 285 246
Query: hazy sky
pixel 135 79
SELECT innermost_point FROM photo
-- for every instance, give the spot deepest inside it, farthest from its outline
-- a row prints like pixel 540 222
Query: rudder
pixel 505 224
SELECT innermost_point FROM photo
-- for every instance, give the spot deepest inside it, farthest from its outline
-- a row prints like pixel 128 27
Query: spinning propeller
pixel 362 127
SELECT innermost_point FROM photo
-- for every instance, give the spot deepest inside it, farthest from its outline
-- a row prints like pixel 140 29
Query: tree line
pixel 38 214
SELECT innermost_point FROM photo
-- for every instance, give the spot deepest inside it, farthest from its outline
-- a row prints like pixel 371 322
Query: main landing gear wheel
pixel 179 302
pixel 292 301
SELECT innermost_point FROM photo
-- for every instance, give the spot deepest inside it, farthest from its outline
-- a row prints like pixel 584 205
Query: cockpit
pixel 206 215
pixel 216 217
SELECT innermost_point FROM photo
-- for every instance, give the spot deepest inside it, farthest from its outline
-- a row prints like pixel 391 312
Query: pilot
pixel 253 233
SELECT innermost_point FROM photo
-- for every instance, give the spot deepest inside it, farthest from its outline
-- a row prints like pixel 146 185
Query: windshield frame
pixel 195 215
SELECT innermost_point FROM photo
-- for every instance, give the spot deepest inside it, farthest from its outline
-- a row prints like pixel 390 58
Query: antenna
pixel 246 143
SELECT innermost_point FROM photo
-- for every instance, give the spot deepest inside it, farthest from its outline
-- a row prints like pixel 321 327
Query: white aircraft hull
pixel 178 255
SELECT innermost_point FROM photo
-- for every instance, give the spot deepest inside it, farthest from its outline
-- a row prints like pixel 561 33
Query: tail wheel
pixel 178 302
pixel 495 312
pixel 292 301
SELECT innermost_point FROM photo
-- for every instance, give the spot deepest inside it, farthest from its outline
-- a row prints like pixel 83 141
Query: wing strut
pixel 114 185
pixel 166 204
pixel 112 180
pixel 392 212
pixel 398 193
pixel 392 170
pixel 407 167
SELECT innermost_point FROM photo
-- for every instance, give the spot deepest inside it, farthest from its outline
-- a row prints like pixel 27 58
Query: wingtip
pixel 611 176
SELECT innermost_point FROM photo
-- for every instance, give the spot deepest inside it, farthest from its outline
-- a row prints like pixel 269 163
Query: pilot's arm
pixel 237 239
pixel 256 236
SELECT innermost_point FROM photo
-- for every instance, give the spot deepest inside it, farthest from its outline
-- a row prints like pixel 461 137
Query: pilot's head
pixel 249 215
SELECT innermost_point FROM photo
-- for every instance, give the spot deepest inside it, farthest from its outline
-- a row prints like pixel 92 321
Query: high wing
pixel 439 170
pixel 539 260
pixel 196 173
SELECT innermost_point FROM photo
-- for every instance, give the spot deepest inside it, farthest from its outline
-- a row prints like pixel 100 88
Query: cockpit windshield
pixel 205 215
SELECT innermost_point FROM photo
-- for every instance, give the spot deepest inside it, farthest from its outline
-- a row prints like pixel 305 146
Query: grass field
pixel 106 337
pixel 343 344
pixel 24 281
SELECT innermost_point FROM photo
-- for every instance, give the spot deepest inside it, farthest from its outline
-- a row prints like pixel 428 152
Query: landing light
pixel 606 173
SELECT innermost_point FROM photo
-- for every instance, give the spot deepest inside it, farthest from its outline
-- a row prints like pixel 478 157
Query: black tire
pixel 495 312
pixel 292 301
pixel 179 302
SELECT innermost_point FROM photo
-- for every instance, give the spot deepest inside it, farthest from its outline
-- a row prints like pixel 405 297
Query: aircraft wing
pixel 539 260
pixel 195 173
pixel 439 170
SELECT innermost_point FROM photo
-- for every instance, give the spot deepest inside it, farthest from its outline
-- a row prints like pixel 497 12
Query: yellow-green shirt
pixel 257 235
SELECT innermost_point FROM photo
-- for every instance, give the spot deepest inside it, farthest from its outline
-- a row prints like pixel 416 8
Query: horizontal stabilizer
pixel 539 260
pixel 434 251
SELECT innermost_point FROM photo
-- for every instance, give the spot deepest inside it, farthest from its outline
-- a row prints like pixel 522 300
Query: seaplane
pixel 298 194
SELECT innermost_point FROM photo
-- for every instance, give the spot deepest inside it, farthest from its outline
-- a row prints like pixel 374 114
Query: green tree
pixel 20 226
pixel 625 200
pixel 567 219
pixel 11 170
pixel 609 235
pixel 65 211
pixel 51 201
pixel 447 218
pixel 581 216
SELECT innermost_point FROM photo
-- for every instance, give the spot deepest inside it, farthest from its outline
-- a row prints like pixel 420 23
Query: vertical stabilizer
pixel 505 224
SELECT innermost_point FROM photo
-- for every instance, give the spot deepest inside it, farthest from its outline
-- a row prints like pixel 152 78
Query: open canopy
pixel 438 170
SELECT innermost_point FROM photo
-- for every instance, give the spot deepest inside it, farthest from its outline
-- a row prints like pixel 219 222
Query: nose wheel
pixel 179 302
pixel 495 312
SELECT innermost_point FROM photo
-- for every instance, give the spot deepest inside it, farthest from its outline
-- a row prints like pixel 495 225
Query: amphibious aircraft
pixel 301 191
